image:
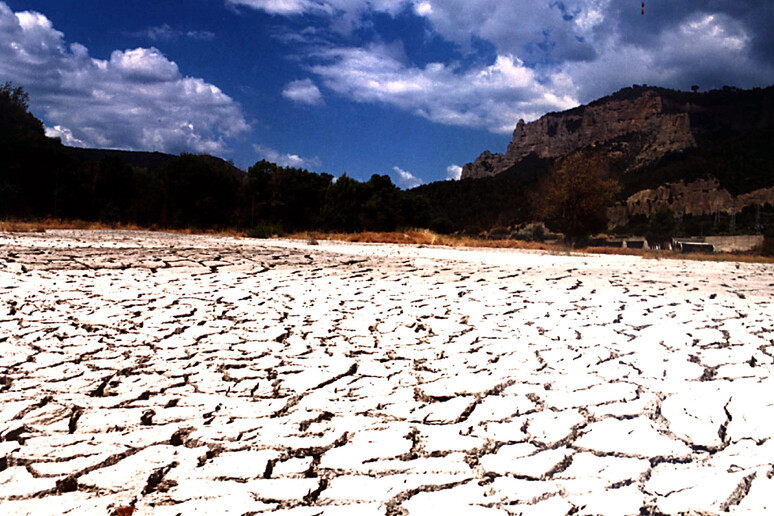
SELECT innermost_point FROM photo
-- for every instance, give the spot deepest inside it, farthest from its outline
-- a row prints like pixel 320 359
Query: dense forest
pixel 41 178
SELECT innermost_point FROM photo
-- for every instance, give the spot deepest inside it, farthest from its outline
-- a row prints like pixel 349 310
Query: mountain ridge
pixel 146 160
pixel 639 125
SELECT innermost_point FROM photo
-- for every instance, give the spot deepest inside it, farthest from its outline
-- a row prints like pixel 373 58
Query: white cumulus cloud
pixel 66 135
pixel 423 9
pixel 551 54
pixel 406 179
pixel 453 172
pixel 493 97
pixel 332 8
pixel 285 160
pixel 137 99
pixel 282 7
pixel 303 92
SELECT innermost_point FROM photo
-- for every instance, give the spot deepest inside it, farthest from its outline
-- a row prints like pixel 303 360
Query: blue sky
pixel 410 88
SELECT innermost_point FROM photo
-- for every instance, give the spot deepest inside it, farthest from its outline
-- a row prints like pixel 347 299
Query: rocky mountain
pixel 699 197
pixel 727 178
pixel 637 126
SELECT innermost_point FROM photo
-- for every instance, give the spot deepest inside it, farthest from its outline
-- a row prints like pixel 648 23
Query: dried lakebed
pixel 184 375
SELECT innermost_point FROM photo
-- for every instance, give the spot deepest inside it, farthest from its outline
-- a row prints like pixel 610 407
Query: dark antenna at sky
pixel 643 8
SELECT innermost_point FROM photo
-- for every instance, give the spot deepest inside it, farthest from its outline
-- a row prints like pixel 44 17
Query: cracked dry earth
pixel 178 374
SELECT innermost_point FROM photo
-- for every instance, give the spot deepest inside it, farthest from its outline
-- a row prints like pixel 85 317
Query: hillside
pixel 144 160
pixel 709 156
pixel 474 205
pixel 637 125
pixel 148 161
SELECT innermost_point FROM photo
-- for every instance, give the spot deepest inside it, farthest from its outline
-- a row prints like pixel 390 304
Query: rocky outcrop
pixel 487 164
pixel 639 124
pixel 701 197
pixel 643 121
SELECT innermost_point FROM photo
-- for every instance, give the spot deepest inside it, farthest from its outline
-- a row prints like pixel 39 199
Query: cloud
pixel 282 7
pixel 342 16
pixel 534 31
pixel 545 32
pixel 550 54
pixel 330 8
pixel 514 26
pixel 137 99
pixel 303 92
pixel 285 160
pixel 709 49
pixel 406 179
pixel 166 33
pixel 453 172
pixel 423 9
pixel 66 135
pixel 493 97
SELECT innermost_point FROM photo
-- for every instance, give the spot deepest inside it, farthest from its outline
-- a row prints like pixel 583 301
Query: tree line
pixel 41 178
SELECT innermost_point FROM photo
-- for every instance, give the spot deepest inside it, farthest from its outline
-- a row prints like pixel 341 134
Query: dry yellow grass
pixel 421 237
pixel 38 226
pixel 20 227
pixel 413 236
pixel 410 237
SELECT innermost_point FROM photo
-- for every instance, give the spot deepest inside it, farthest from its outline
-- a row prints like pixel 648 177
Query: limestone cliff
pixel 700 197
pixel 640 124
pixel 642 118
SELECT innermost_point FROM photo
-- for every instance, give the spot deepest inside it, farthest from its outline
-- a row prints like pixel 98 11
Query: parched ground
pixel 206 375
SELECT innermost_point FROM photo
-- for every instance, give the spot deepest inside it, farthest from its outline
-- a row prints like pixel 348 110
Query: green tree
pixel 284 196
pixel 30 163
pixel 198 191
pixel 413 210
pixel 379 212
pixel 574 198
pixel 15 94
pixel 112 190
pixel 661 225
pixel 343 202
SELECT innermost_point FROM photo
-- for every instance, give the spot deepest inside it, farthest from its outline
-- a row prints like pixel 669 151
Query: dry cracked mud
pixel 173 374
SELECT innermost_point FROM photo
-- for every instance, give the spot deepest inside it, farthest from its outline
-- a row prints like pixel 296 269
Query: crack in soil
pixel 739 493
pixel 393 507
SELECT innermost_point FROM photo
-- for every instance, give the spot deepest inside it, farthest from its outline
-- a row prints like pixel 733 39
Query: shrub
pixel 442 225
pixel 661 225
pixel 265 230
pixel 537 231
pixel 499 233
pixel 534 232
